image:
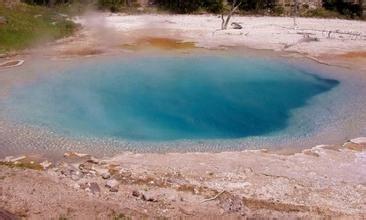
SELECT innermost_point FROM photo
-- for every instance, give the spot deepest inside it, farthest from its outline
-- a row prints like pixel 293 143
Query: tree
pixel 234 6
pixel 295 10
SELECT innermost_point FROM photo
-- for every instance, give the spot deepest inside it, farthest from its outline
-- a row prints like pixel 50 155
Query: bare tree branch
pixel 234 7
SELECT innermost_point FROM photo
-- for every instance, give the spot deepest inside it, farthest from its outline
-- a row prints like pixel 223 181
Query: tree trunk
pixel 295 11
pixel 234 7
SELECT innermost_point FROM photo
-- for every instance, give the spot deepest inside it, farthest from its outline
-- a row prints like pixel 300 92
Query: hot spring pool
pixel 167 98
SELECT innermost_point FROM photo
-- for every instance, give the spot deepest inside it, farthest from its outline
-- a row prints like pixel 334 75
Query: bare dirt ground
pixel 325 181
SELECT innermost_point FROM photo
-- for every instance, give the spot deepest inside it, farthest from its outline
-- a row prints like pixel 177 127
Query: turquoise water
pixel 165 98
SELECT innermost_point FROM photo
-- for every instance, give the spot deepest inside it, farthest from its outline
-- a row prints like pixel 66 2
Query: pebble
pixel 112 183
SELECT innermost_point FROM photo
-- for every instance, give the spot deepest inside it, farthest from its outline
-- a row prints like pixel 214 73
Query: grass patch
pixel 322 13
pixel 28 25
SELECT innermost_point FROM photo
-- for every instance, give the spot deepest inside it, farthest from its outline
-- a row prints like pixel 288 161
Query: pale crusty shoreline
pixel 324 181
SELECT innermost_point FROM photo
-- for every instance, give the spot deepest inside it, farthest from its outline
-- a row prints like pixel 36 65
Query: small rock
pixel 143 196
pixel 310 153
pixel 45 164
pixel 148 198
pixel 125 173
pixel 136 193
pixel 86 167
pixel 94 188
pixel 93 160
pixel 106 175
pixel 75 177
pixel 101 171
pixel 112 183
pixel 236 25
pixel 113 189
pixel 83 185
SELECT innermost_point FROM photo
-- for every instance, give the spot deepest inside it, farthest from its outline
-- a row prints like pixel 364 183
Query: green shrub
pixel 27 25
pixel 346 8
pixel 184 6
pixel 278 10
pixel 322 13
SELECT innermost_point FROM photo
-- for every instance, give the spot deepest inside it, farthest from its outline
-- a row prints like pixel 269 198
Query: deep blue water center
pixel 168 97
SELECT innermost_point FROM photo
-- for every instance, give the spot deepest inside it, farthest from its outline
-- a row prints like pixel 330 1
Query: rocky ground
pixel 325 181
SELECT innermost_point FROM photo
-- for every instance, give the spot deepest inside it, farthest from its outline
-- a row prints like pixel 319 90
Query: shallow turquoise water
pixel 167 98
